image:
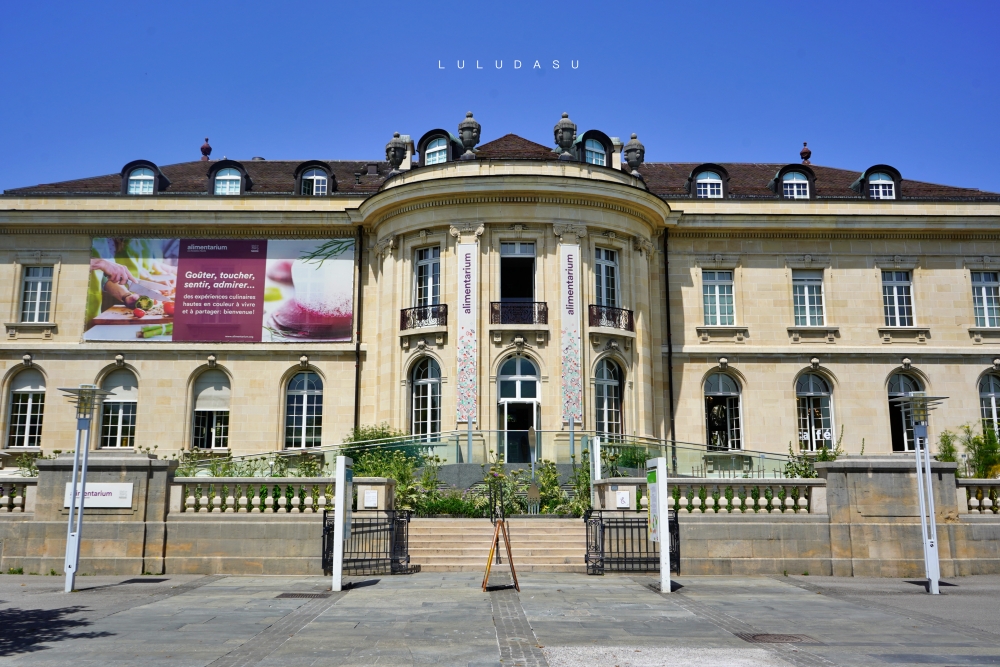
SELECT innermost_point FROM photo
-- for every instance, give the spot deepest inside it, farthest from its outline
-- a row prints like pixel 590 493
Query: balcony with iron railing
pixel 514 312
pixel 612 318
pixel 423 316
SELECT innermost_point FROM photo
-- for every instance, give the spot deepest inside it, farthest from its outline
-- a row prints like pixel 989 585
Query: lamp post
pixel 917 405
pixel 85 398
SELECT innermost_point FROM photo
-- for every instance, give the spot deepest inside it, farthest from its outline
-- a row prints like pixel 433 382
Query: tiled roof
pixel 666 179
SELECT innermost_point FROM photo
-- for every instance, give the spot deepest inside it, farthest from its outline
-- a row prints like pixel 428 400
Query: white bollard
pixel 343 499
pixel 659 516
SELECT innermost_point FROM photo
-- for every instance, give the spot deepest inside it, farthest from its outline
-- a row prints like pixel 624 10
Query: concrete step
pixel 480 561
pixel 579 569
pixel 518 553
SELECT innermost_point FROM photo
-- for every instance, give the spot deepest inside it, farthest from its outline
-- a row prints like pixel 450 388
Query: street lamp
pixel 85 398
pixel 918 405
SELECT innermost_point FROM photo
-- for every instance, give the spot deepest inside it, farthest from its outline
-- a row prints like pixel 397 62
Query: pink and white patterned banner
pixel 569 321
pixel 467 394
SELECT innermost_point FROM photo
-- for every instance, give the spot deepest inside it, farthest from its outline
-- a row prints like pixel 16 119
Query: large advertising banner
pixel 468 347
pixel 221 291
pixel 569 339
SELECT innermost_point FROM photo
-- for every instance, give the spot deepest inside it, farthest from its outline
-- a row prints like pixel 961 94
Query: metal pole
pixel 72 542
pixel 933 564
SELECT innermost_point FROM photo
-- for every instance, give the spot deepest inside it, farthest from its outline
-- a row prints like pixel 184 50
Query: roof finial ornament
pixel 635 154
pixel 565 134
pixel 206 150
pixel 805 153
pixel 395 153
pixel 468 133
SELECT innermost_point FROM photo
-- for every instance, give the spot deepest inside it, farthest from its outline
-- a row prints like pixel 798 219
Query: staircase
pixel 461 545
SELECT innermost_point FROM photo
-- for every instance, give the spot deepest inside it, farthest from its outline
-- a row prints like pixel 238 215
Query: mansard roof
pixel 668 180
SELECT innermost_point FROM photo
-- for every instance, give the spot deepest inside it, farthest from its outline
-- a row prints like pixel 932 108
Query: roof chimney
pixel 805 153
pixel 206 150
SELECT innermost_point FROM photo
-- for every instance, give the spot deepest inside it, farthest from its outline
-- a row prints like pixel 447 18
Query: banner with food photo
pixel 224 290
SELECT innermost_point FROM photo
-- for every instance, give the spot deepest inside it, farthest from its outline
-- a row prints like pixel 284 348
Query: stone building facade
pixel 733 306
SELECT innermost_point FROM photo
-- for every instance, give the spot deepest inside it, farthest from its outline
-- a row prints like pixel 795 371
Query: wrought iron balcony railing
pixel 519 313
pixel 615 318
pixel 423 316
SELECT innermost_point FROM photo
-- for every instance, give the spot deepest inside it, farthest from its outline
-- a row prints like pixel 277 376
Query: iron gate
pixel 618 541
pixel 378 544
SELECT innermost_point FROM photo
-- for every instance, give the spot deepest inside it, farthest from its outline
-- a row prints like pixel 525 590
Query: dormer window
pixel 709 185
pixel 437 151
pixel 594 153
pixel 227 182
pixel 881 186
pixel 314 183
pixel 795 185
pixel 140 181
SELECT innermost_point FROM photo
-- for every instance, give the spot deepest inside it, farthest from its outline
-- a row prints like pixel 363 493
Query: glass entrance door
pixel 518 408
pixel 515 420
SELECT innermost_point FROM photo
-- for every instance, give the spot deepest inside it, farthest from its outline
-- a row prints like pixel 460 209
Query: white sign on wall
pixel 622 500
pixel 569 323
pixel 101 494
pixel 371 499
pixel 466 391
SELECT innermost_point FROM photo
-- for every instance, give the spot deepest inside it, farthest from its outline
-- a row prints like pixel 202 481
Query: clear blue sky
pixel 87 86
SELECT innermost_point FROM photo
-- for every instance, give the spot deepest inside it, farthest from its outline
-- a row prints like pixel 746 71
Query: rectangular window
pixel 709 189
pixel 303 420
pixel 897 298
pixel 606 278
pixel 427 283
pixel 986 298
pixel 717 292
pixel 26 411
pixel 211 429
pixel 517 272
pixel 36 294
pixel 807 298
pixel 118 424
pixel 796 190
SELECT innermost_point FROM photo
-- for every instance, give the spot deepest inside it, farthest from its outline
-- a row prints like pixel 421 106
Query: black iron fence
pixel 502 312
pixel 618 541
pixel 378 543
pixel 423 316
pixel 615 318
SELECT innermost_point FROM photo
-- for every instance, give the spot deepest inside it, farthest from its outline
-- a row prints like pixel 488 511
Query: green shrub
pixel 453 503
pixel 983 450
pixel 551 496
pixel 15 570
pixel 947 449
pixel 580 481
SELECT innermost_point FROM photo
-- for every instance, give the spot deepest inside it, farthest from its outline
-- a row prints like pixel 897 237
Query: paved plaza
pixel 561 620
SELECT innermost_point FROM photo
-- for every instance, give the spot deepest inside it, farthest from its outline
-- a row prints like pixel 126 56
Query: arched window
pixel 519 407
pixel 140 181
pixel 594 153
pixel 426 400
pixel 437 151
pixel 27 407
pixel 900 420
pixel 709 185
pixel 881 186
pixel 608 400
pixel 314 182
pixel 118 410
pixel 722 412
pixel 812 398
pixel 228 181
pixel 989 392
pixel 210 421
pixel 304 411
pixel 795 185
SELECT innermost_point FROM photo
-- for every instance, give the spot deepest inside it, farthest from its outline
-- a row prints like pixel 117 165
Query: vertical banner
pixel 467 395
pixel 569 321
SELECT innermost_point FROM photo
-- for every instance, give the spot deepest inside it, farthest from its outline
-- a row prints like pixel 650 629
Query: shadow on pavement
pixel 25 630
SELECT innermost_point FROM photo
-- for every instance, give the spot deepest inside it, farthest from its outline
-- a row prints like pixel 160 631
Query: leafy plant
pixel 310 465
pixel 499 483
pixel 947 449
pixel 801 465
pixel 551 495
pixel 983 450
pixel 26 464
pixel 580 481
pixel 452 502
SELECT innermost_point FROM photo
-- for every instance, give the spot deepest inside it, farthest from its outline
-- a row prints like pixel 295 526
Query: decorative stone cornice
pixel 568 232
pixel 990 262
pixel 467 233
pixel 833 234
pixel 807 261
pixel 896 262
pixel 717 261
pixel 206 231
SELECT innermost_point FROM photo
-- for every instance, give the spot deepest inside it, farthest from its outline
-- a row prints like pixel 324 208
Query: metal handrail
pixel 528 312
pixel 423 316
pixel 609 316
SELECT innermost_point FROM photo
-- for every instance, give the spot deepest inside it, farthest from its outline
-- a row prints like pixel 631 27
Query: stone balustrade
pixel 17 494
pixel 267 495
pixel 983 495
pixel 748 496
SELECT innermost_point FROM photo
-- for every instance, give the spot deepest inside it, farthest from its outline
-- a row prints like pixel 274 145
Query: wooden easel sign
pixel 501 529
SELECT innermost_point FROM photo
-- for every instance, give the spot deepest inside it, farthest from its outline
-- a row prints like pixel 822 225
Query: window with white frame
pixel 606 277
pixel 881 186
pixel 722 412
pixel 118 410
pixel 795 185
pixel 900 419
pixel 140 181
pixel 815 411
pixel 708 185
pixel 897 298
pixel 717 295
pixel 807 297
pixel 437 151
pixel 304 411
pixel 594 152
pixel 228 181
pixel 427 281
pixel 36 294
pixel 210 420
pixel 989 395
pixel 986 298
pixel 426 399
pixel 608 400
pixel 27 408
pixel 314 183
